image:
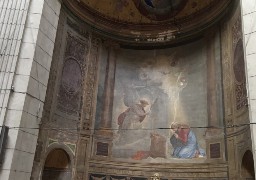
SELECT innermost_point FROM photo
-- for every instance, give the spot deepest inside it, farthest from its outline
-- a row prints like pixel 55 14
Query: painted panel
pixel 160 100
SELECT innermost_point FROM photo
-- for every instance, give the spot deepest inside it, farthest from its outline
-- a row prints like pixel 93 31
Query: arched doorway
pixel 57 166
pixel 247 167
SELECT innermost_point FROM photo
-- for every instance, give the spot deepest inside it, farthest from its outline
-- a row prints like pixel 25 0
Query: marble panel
pixel 12 138
pixel 45 43
pixel 50 15
pixel 17 101
pixel 7 161
pixel 33 106
pixel 30 35
pixel 4 173
pixel 21 83
pixel 251 64
pixel 27 50
pixel 248 6
pixel 249 23
pixel 13 118
pixel 36 6
pixel 43 58
pixel 47 28
pixel 26 142
pixel 55 5
pixel 250 41
pixel 39 73
pixel 22 161
pixel 24 66
pixel 6 80
pixel 20 175
pixel 33 20
pixel 252 106
pixel 36 89
pixel 2 114
pixel 30 123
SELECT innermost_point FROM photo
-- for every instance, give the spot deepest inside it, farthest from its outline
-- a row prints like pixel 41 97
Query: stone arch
pixel 247 165
pixel 57 164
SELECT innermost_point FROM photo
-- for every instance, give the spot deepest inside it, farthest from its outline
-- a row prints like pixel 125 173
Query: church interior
pixel 146 89
pixel 183 58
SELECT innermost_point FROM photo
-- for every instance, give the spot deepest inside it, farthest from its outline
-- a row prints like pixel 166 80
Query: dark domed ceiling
pixel 149 22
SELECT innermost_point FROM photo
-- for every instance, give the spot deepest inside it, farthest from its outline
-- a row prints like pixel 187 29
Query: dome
pixel 149 22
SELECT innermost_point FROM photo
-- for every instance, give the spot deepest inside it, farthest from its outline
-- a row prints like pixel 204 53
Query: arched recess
pixel 247 166
pixel 57 166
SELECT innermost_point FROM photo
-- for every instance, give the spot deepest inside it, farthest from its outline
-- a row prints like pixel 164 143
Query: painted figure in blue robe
pixel 184 142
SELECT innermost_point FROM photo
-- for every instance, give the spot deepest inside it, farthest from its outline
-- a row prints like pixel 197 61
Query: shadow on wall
pixel 247 167
pixel 57 166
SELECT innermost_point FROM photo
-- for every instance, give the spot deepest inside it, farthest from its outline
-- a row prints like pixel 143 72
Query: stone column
pixel 106 115
pixel 32 36
pixel 214 135
pixel 104 136
pixel 211 80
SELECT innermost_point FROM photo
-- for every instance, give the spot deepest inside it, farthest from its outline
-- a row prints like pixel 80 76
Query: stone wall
pixel 248 14
pixel 68 120
pixel 238 137
pixel 68 110
pixel 34 37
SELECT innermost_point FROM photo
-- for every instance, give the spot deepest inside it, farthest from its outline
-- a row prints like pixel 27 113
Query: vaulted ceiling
pixel 149 22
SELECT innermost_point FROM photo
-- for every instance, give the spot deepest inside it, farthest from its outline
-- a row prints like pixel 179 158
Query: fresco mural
pixel 184 142
pixel 158 95
pixel 159 10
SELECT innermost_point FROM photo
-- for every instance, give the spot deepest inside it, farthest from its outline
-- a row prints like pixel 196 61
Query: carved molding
pixel 89 87
pixel 69 96
pixel 168 171
pixel 239 65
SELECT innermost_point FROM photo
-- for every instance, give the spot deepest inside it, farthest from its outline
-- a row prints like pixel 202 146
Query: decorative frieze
pixel 168 174
pixel 239 65
pixel 69 96
pixel 89 87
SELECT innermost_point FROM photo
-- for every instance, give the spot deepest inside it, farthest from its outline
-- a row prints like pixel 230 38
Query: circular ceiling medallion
pixel 160 10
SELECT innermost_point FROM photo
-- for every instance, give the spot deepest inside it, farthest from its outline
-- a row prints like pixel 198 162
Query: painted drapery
pixel 153 89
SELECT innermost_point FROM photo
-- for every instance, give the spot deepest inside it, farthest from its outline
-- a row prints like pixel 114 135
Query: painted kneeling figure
pixel 184 142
